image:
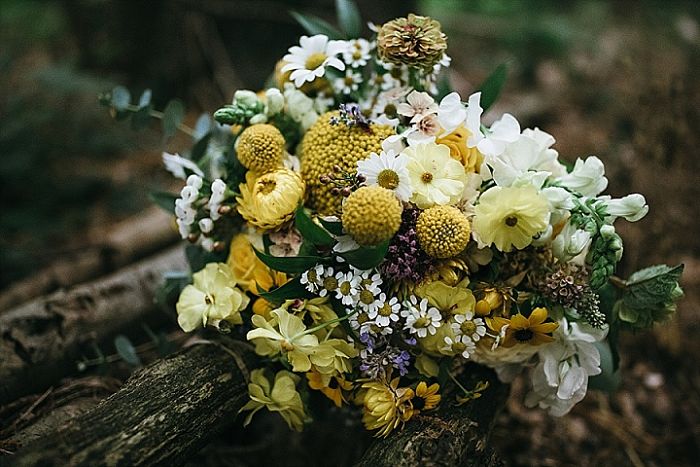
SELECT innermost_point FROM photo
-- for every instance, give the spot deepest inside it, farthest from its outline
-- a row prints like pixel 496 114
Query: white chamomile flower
pixel 421 319
pixel 348 286
pixel 466 327
pixel 463 346
pixel 312 279
pixel 369 279
pixel 357 53
pixel 388 312
pixel 329 283
pixel 388 170
pixel 309 60
pixel 348 83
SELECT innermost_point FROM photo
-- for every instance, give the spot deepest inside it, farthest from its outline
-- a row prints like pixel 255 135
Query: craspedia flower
pixel 269 201
pixel 371 215
pixel 416 41
pixel 443 231
pixel 260 148
pixel 326 145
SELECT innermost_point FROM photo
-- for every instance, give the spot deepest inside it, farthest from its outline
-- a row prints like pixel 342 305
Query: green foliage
pixel 349 18
pixel 366 257
pixel 173 115
pixel 336 228
pixel 291 290
pixel 126 350
pixel 609 378
pixel 289 264
pixel 315 25
pixel 491 87
pixel 197 257
pixel 311 231
pixel 650 296
pixel 168 293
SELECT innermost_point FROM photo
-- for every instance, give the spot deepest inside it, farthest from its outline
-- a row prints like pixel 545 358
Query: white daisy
pixel 420 319
pixel 328 283
pixel 467 327
pixel 388 312
pixel 357 53
pixel 309 60
pixel 466 348
pixel 388 170
pixel 349 83
pixel 369 279
pixel 348 286
pixel 312 279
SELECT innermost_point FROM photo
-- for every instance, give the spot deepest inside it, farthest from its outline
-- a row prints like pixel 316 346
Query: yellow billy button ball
pixel 443 231
pixel 260 148
pixel 371 215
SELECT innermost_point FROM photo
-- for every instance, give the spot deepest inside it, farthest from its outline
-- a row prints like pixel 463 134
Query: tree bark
pixel 454 435
pixel 42 340
pixel 126 242
pixel 163 414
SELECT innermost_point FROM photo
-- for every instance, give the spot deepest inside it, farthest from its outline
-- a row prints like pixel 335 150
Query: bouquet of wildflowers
pixel 370 234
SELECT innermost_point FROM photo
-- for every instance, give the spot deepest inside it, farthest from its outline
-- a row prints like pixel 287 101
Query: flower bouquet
pixel 366 230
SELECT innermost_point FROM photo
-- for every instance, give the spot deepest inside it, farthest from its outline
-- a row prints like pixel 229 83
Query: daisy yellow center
pixel 421 322
pixel 330 283
pixel 385 310
pixel 468 327
pixel 349 80
pixel 315 60
pixel 390 110
pixel 427 177
pixel 511 221
pixel 357 55
pixel 313 277
pixel 388 179
pixel 345 288
pixel 366 297
pixel 362 318
pixel 267 186
pixel 459 347
pixel 523 335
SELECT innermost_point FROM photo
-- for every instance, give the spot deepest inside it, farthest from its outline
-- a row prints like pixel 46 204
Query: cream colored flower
pixel 281 397
pixel 269 201
pixel 212 298
pixel 510 217
pixel 436 178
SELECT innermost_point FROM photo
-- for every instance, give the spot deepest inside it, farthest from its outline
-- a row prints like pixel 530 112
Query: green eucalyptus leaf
pixel 121 97
pixel 141 118
pixel 349 18
pixel 311 231
pixel 199 149
pixel 315 25
pixel 289 264
pixel 126 350
pixel 173 115
pixel 164 199
pixel 491 87
pixel 198 257
pixel 366 257
pixel 145 99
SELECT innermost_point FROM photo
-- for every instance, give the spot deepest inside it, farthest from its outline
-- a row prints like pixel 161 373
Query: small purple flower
pixel 351 115
pixel 404 258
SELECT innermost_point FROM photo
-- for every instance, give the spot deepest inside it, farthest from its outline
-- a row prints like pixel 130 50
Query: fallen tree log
pixel 164 414
pixel 453 435
pixel 41 341
pixel 128 241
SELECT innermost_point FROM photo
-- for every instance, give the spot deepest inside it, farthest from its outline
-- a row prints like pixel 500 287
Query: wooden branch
pixel 126 242
pixel 165 413
pixel 453 435
pixel 41 341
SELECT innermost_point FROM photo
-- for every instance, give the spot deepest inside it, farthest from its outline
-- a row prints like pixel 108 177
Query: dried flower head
pixel 416 41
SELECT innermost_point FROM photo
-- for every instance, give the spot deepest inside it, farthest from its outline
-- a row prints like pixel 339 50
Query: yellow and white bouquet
pixel 369 234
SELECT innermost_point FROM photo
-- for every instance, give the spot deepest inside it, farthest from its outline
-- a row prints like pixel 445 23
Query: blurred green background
pixel 616 79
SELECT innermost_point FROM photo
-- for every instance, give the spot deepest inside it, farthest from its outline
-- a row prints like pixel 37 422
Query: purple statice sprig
pixel 404 259
pixel 351 115
pixel 377 363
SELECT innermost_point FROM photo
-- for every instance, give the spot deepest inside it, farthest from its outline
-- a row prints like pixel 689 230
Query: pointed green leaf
pixel 290 264
pixel 126 350
pixel 349 18
pixel 336 228
pixel 366 257
pixel 315 25
pixel 311 231
pixel 291 290
pixel 491 87
pixel 173 115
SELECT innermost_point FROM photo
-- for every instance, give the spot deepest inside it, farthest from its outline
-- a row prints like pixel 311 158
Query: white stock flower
pixel 218 190
pixel 176 165
pixel 587 177
pixel 451 112
pixel 493 142
pixel 570 243
pixel 206 225
pixel 309 60
pixel 632 207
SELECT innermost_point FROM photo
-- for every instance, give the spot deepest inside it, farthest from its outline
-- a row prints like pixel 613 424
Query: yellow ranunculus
pixel 449 300
pixel 281 396
pixel 213 298
pixel 436 178
pixel 269 201
pixel 470 158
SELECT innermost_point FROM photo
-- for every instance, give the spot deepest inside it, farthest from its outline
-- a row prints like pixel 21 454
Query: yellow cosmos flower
pixel 470 158
pixel 509 217
pixel 281 397
pixel 269 201
pixel 212 299
pixel 521 330
pixel 330 386
pixel 436 178
pixel 386 406
pixel 427 397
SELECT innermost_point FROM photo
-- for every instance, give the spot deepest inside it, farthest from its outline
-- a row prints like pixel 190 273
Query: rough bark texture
pixel 161 416
pixel 126 242
pixel 454 435
pixel 42 340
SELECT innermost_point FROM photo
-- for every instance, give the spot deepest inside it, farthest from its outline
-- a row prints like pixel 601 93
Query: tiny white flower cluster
pixel 184 209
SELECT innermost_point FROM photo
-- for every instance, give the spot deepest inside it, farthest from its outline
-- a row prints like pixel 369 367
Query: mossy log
pixel 453 435
pixel 41 341
pixel 164 414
